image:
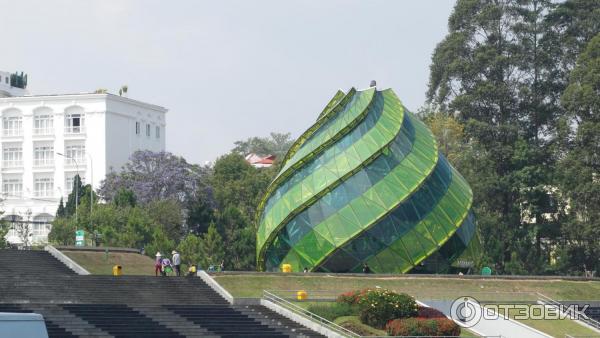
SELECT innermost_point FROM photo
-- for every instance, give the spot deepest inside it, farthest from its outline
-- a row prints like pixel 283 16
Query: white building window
pixel 157 131
pixel 12 126
pixel 43 155
pixel 39 230
pixel 12 156
pixel 148 130
pixel 43 124
pixel 74 123
pixel 12 187
pixel 75 154
pixel 69 180
pixel 43 186
pixel 137 128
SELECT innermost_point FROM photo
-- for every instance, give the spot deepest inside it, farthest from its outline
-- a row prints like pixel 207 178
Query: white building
pixel 95 133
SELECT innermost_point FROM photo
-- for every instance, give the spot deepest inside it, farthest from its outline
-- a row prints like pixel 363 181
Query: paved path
pixel 492 327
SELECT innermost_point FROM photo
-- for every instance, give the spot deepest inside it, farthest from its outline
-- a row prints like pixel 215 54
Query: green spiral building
pixel 366 184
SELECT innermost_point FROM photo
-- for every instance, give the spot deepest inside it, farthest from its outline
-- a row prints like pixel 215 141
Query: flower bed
pixel 396 313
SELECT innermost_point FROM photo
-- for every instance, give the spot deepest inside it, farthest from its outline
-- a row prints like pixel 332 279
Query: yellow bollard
pixel 301 295
pixel 117 270
pixel 286 268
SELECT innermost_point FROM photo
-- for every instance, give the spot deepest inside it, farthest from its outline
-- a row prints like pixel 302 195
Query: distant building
pixel 9 87
pixel 48 139
pixel 260 162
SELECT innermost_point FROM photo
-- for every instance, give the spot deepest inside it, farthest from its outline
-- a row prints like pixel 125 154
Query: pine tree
pixel 212 247
pixel 60 212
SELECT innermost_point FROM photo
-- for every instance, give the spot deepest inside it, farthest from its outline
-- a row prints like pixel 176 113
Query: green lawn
pixel 98 263
pixel 251 285
pixel 557 327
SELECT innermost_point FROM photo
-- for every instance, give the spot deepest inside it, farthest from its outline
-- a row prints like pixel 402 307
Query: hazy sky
pixel 226 70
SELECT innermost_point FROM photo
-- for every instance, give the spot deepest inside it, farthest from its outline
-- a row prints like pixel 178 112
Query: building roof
pixel 107 96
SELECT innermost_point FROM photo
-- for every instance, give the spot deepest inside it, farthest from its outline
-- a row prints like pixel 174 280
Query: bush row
pixel 422 327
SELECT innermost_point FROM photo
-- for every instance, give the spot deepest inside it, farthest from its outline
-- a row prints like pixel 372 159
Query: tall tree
pixel 276 144
pixel 211 248
pixel 74 197
pixel 237 183
pixel 490 72
pixel 580 169
pixel 3 231
pixel 60 212
pixel 154 176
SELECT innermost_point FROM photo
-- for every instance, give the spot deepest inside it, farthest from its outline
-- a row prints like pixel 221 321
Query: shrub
pixel 350 297
pixel 377 307
pixel 422 327
pixel 429 312
pixel 331 311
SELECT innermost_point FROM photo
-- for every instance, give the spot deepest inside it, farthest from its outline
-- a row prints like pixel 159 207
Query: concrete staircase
pixel 128 306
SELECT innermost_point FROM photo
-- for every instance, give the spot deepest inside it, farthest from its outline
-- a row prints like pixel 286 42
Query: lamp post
pixel 91 184
pixel 76 185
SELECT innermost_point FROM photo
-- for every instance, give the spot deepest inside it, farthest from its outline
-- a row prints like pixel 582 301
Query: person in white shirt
pixel 177 263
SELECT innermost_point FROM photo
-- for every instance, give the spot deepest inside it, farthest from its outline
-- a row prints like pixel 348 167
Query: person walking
pixel 158 264
pixel 177 263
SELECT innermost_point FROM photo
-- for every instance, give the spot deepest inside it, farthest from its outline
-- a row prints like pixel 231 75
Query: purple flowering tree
pixel 156 176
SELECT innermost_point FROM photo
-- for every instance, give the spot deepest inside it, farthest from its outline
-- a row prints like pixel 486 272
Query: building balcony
pixel 8 195
pixel 75 162
pixel 43 131
pixel 78 130
pixel 43 162
pixel 12 164
pixel 12 132
pixel 43 193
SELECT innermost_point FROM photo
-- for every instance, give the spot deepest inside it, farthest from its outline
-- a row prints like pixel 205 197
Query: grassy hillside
pixel 98 263
pixel 251 285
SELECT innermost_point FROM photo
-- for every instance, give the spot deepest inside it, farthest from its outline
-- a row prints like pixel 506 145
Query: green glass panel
pixel 401 250
pixel 373 196
pixel 312 247
pixel 349 215
pixel 324 232
pixel 423 236
pixel 413 246
pixel 374 264
pixel 338 228
pixel 391 262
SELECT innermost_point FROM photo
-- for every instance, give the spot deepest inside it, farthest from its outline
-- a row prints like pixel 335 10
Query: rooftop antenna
pixel 373 83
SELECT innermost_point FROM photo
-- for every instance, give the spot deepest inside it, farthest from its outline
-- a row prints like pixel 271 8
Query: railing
pixel 75 161
pixel 582 317
pixel 12 132
pixel 305 313
pixel 75 130
pixel 14 194
pixel 42 193
pixel 43 162
pixel 43 131
pixel 12 164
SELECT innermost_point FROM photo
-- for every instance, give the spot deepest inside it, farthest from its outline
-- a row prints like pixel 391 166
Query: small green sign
pixel 79 238
pixel 486 271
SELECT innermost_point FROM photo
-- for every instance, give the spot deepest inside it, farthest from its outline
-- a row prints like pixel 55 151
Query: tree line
pixel 514 101
pixel 160 202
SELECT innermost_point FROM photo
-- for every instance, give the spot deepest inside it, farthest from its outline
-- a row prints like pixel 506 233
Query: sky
pixel 226 70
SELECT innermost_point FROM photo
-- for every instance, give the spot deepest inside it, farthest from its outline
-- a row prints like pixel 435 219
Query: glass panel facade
pixel 363 150
pixel 380 195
